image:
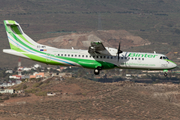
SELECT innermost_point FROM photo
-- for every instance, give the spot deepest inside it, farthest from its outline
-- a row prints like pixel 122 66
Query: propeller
pixel 119 50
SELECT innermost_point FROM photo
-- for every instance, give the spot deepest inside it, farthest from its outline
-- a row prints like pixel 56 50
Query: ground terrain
pixel 85 99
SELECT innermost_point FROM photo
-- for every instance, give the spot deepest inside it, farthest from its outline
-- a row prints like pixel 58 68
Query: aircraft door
pixel 126 60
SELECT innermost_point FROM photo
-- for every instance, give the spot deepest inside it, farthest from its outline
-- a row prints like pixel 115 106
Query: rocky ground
pixel 110 38
pixel 86 99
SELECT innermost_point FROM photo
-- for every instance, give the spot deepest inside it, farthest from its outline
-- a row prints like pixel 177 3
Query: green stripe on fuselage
pixel 83 62
pixel 92 64
pixel 169 61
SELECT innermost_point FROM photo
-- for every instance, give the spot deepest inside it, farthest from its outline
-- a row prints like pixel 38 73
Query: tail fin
pixel 16 36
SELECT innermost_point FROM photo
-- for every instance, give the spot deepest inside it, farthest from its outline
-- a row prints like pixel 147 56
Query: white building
pixel 9 71
pixel 26 69
pixel 37 66
pixel 11 91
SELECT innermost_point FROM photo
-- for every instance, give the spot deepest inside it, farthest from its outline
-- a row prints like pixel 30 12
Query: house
pixel 51 94
pixel 9 71
pixel 11 91
pixel 26 69
pixel 37 75
pixel 15 77
pixel 37 66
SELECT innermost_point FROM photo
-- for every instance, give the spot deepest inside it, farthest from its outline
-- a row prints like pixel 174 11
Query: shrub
pixel 34 90
pixel 24 86
pixel 6 98
pixel 21 86
pixel 13 95
pixel 37 84
pixel 44 85
pixel 41 93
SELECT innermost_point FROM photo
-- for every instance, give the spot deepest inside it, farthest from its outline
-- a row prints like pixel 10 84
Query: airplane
pixel 97 57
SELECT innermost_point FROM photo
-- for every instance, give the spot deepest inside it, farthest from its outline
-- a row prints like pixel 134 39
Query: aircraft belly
pixel 94 64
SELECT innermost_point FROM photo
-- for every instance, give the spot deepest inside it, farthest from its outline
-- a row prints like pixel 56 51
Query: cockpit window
pixel 164 57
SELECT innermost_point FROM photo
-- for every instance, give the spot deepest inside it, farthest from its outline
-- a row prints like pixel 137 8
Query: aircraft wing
pixel 98 48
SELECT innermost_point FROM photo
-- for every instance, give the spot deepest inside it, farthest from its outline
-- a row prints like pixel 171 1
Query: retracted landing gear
pixel 97 70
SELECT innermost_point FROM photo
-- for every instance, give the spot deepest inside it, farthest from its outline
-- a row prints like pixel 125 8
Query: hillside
pixel 84 99
pixel 110 38
pixel 154 20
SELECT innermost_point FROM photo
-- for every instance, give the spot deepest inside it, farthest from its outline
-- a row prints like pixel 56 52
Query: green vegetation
pixel 38 88
pixel 13 95
pixel 37 84
pixel 22 86
pixel 33 90
pixel 41 93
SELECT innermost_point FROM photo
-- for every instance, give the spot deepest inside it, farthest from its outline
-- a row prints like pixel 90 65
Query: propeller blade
pixel 118 57
pixel 119 50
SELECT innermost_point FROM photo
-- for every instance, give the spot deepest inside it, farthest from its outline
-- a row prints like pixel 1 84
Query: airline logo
pixel 142 55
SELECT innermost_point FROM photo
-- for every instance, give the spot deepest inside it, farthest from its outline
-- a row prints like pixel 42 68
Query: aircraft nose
pixel 174 65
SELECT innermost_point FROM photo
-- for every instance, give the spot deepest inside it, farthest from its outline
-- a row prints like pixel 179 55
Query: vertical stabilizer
pixel 16 36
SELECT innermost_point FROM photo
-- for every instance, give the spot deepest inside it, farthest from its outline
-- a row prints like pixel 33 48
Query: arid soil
pixel 86 99
pixel 110 38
